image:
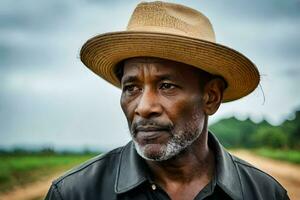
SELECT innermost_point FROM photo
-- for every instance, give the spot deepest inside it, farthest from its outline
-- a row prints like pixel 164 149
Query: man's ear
pixel 213 95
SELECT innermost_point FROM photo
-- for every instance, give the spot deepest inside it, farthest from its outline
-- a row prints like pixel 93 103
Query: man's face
pixel 162 103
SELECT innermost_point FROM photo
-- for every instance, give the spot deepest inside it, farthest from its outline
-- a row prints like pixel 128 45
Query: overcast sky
pixel 48 97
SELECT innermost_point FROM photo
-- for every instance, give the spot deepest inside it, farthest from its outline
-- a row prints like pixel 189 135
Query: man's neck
pixel 192 169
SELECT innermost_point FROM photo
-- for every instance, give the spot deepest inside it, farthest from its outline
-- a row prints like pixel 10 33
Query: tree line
pixel 234 133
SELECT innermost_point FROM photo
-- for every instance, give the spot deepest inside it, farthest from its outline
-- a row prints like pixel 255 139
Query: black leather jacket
pixel 122 174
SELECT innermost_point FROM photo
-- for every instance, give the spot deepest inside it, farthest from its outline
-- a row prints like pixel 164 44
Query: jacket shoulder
pixel 256 181
pixel 97 161
pixel 93 175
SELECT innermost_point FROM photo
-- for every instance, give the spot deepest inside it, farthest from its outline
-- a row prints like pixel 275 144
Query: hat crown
pixel 172 19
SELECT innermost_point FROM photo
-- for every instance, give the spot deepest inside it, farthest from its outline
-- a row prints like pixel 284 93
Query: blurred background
pixel 55 113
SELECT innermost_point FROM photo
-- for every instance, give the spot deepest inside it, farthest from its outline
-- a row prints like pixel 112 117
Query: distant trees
pixel 271 137
pixel 292 128
pixel 234 133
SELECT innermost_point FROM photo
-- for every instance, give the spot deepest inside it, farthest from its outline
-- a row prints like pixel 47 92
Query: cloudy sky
pixel 48 97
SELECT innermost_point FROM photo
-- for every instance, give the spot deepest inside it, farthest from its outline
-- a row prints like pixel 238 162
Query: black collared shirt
pixel 122 175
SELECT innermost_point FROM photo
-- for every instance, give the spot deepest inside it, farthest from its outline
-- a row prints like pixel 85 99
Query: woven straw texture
pixel 174 32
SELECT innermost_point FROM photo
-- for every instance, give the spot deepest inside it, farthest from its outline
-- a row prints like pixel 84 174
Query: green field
pixel 21 169
pixel 292 156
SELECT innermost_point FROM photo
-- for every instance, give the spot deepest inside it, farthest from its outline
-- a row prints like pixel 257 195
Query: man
pixel 173 76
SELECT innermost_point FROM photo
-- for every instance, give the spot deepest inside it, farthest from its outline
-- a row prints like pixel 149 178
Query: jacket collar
pixel 227 175
pixel 133 171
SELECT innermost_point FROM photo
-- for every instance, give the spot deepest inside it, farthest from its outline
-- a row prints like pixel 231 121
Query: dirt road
pixel 287 174
pixel 34 191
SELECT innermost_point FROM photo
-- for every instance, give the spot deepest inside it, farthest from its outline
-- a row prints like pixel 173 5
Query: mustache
pixel 149 124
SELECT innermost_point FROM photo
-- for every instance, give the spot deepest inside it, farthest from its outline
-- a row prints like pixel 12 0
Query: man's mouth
pixel 149 128
pixel 150 133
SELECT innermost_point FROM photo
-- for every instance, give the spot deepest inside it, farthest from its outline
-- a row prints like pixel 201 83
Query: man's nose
pixel 148 105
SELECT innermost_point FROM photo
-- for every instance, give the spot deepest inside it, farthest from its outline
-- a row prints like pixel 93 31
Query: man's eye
pixel 130 88
pixel 165 86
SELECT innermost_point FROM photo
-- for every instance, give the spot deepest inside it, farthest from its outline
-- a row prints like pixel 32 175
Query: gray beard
pixel 172 148
pixel 179 141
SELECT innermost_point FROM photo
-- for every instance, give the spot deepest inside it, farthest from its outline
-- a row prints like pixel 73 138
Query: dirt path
pixel 34 191
pixel 287 174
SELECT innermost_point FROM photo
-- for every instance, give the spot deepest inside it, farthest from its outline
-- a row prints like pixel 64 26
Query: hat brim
pixel 102 53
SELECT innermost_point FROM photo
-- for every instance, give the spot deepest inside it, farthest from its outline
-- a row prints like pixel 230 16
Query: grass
pixel 292 156
pixel 18 169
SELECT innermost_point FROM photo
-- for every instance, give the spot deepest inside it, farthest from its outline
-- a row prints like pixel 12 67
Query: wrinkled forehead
pixel 156 66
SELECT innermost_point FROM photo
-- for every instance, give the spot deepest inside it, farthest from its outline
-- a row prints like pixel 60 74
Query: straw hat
pixel 174 32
